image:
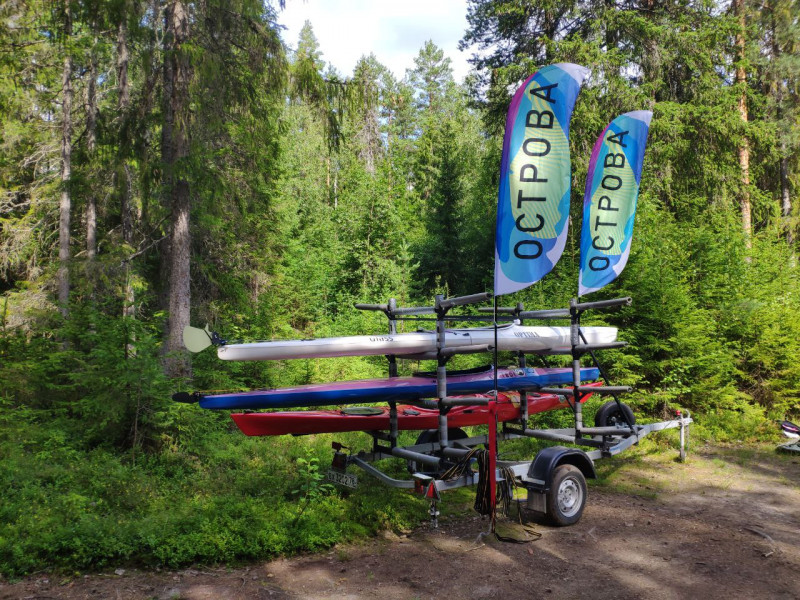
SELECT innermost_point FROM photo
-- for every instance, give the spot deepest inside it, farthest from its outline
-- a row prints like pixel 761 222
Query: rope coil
pixel 483 500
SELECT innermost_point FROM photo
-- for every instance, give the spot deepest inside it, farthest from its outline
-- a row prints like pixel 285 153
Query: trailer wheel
pixel 567 496
pixel 611 414
pixel 431 436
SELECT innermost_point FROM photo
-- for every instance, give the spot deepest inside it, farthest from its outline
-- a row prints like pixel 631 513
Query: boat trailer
pixel 555 479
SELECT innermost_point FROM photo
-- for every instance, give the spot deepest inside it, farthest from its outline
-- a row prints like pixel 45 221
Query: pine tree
pixel 175 142
pixel 443 160
pixel 738 8
pixel 65 204
pixel 432 77
pixel 367 80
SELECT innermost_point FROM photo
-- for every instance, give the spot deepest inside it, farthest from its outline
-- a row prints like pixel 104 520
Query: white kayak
pixel 512 337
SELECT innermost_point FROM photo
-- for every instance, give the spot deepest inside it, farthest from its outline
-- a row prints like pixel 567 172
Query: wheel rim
pixel 569 497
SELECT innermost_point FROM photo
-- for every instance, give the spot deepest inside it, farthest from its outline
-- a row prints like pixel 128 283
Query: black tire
pixel 611 414
pixel 431 436
pixel 566 498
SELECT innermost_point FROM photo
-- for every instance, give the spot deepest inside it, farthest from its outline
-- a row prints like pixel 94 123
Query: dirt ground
pixel 724 525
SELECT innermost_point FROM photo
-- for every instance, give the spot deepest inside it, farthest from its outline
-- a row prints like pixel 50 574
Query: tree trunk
pixel 123 57
pixel 786 201
pixel 91 144
pixel 611 34
pixel 124 176
pixel 549 26
pixel 66 170
pixel 744 148
pixel 175 148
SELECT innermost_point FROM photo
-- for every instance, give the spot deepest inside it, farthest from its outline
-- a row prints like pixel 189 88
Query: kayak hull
pixel 408 417
pixel 393 389
pixel 511 337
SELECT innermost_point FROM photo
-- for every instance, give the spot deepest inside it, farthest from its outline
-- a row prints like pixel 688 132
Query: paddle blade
pixel 196 339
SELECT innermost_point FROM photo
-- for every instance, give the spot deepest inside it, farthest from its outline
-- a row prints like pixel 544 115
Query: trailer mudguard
pixel 547 460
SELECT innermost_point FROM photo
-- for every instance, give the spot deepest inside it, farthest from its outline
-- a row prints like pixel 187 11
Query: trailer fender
pixel 546 461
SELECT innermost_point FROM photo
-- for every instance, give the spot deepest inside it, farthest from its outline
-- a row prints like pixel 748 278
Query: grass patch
pixel 76 509
pixel 638 471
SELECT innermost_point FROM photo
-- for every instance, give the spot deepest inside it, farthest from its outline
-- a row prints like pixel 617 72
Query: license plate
pixel 345 479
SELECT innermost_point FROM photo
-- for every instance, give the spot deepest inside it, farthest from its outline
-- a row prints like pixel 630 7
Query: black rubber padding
pixel 185 397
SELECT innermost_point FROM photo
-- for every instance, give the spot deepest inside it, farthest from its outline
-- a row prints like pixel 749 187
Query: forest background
pixel 167 162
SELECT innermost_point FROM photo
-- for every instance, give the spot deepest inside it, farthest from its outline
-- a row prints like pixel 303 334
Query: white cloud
pixel 393 31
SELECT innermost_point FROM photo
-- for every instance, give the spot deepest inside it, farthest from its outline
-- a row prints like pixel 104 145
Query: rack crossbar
pixel 600 304
pixel 584 348
pixel 588 389
pixel 456 401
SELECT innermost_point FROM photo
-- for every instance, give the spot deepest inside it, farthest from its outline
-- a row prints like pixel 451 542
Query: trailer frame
pixel 563 503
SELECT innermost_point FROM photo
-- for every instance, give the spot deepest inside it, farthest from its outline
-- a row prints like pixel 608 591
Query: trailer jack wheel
pixel 611 414
pixel 567 496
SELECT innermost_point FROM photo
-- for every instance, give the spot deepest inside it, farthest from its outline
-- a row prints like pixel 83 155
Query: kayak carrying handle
pixel 449 303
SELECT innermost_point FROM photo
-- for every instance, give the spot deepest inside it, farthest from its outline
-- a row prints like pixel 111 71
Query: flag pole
pixel 493 427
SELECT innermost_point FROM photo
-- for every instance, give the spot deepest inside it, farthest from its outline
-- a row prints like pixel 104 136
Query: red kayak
pixel 374 418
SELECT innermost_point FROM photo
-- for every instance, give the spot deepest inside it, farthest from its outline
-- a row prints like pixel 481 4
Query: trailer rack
pixel 555 478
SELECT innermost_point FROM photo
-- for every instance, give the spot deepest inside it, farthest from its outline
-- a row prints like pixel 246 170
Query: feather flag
pixel 609 205
pixel 535 177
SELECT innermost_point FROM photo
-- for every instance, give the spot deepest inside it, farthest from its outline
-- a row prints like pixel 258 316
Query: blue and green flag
pixel 609 205
pixel 535 177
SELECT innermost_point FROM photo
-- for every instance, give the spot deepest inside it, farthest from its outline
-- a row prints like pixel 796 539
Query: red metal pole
pixel 493 453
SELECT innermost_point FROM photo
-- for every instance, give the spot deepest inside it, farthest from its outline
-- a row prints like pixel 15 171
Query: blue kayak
pixel 475 381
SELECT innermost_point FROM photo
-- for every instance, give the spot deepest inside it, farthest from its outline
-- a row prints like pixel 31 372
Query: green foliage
pixel 311 486
pixel 744 424
pixel 231 499
pixel 88 369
